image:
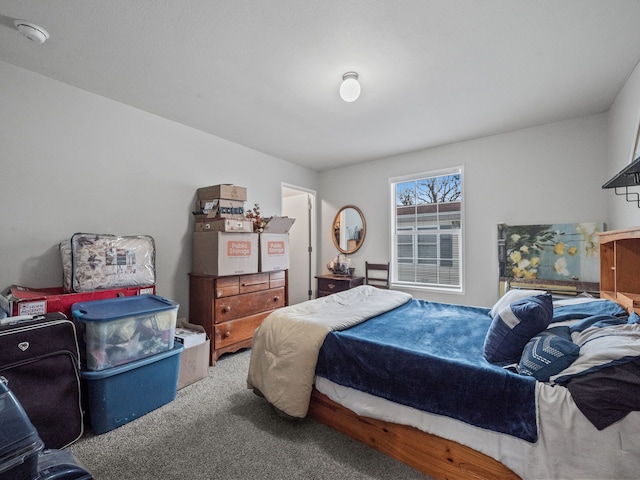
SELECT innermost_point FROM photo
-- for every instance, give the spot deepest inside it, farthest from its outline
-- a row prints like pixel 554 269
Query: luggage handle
pixel 18 319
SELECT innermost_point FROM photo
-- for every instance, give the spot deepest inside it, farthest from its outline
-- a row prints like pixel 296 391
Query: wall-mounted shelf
pixel 627 177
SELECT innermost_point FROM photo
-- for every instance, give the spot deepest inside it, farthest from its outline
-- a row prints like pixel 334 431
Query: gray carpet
pixel 218 429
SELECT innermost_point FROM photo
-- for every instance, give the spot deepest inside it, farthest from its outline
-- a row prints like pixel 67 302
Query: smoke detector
pixel 31 31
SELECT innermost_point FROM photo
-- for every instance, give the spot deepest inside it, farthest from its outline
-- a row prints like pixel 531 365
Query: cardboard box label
pixel 32 308
pixel 236 248
pixel 275 248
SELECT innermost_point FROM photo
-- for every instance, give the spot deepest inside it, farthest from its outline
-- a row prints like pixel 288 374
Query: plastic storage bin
pixel 19 440
pixel 118 395
pixel 121 330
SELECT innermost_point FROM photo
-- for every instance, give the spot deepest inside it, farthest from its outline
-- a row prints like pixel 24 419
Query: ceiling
pixel 265 73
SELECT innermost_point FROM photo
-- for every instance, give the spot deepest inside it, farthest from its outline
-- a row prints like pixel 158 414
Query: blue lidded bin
pixel 118 395
pixel 124 329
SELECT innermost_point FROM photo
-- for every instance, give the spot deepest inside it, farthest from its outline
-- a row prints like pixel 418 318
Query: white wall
pixel 624 120
pixel 72 161
pixel 547 174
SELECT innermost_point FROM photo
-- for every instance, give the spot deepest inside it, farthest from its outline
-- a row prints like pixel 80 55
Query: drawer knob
pixel 331 285
pixel 227 334
pixel 226 309
pixel 276 298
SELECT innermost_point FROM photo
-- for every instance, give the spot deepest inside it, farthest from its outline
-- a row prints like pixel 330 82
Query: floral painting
pixel 566 252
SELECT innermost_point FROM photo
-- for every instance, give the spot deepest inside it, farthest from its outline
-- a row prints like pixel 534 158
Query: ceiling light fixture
pixel 350 88
pixel 31 31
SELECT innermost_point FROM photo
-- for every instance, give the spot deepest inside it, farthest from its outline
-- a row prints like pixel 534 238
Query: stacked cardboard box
pixel 220 208
pixel 223 240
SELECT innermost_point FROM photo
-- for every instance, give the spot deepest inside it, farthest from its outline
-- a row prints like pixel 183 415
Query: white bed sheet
pixel 569 446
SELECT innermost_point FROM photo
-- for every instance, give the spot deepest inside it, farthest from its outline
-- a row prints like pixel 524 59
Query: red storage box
pixel 16 300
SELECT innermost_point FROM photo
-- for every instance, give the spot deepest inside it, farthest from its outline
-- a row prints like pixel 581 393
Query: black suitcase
pixel 41 361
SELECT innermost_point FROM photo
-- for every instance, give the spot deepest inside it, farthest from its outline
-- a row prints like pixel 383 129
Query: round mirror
pixel 348 229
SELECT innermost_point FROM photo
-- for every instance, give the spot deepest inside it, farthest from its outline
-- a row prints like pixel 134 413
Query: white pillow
pixel 511 296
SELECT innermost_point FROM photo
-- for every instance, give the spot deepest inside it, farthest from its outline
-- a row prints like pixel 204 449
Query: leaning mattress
pixel 94 261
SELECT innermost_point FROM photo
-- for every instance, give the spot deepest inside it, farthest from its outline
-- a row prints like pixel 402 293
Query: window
pixel 427 230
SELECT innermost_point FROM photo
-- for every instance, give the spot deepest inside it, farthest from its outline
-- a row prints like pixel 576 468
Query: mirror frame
pixel 336 242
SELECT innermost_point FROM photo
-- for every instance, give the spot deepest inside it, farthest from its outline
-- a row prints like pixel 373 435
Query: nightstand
pixel 328 284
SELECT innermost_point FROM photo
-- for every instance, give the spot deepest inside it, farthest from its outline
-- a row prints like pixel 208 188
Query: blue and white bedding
pixel 428 356
pixel 433 357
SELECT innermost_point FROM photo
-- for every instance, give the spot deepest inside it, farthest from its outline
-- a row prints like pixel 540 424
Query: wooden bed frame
pixel 435 456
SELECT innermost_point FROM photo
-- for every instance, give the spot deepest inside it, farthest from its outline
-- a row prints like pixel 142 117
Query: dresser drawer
pixel 227 286
pixel 254 282
pixel 333 286
pixel 237 331
pixel 277 279
pixel 230 308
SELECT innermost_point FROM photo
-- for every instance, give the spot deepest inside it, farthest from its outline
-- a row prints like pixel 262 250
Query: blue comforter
pixel 429 356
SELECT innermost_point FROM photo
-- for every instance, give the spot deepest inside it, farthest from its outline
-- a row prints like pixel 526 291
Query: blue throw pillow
pixel 513 327
pixel 548 353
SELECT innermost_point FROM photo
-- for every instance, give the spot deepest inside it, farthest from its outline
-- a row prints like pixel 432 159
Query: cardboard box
pixel 17 300
pixel 189 336
pixel 204 224
pixel 274 251
pixel 219 207
pixel 274 244
pixel 194 360
pixel 279 225
pixel 224 253
pixel 226 191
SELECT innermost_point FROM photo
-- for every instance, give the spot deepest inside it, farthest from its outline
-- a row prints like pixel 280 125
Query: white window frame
pixel 393 264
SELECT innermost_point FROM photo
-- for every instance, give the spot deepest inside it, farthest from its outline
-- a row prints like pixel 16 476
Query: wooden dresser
pixel 328 284
pixel 619 264
pixel 230 308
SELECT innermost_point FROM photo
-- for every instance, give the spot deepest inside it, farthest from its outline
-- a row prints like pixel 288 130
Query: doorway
pixel 300 203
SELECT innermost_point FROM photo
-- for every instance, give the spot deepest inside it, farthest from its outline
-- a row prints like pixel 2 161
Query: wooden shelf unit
pixel 619 262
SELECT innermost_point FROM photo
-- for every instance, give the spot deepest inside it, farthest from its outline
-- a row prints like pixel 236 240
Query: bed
pixel 414 380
